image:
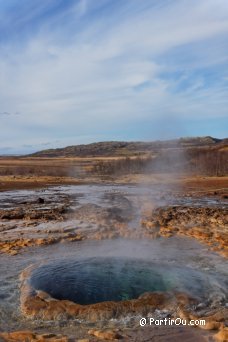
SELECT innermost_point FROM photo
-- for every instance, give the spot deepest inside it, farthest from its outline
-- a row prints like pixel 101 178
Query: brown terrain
pixel 161 190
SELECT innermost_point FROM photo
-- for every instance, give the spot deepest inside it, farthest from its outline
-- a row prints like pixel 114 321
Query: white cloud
pixel 92 74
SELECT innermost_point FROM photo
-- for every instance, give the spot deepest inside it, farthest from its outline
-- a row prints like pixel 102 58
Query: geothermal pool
pixel 99 279
pixel 93 271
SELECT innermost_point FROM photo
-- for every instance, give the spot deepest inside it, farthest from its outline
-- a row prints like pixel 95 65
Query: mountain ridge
pixel 124 148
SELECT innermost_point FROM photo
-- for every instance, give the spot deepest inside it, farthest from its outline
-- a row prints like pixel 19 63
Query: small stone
pixel 105 335
pixel 222 335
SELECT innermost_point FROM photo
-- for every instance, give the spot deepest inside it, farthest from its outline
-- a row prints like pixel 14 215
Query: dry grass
pixel 25 173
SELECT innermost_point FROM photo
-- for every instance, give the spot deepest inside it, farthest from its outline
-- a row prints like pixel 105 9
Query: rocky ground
pixel 45 218
pixel 206 224
pixel 56 215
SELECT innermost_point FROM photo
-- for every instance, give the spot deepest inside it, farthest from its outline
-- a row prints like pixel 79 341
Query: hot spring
pixel 99 279
pixel 96 271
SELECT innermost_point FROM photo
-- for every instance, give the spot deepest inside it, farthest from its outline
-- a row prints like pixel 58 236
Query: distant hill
pixel 122 148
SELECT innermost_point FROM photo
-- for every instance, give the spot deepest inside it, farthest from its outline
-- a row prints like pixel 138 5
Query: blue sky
pixel 79 71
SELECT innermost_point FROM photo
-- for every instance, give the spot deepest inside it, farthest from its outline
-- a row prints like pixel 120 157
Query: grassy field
pixel 26 173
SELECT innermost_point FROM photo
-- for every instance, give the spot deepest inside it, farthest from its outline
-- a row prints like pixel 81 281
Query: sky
pixel 80 71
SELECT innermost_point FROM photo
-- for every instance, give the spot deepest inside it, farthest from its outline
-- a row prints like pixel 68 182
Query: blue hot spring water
pixel 94 280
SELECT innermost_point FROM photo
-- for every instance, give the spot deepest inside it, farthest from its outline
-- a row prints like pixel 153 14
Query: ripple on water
pixel 99 279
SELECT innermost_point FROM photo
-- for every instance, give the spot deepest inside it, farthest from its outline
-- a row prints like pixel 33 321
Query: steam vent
pixel 105 261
